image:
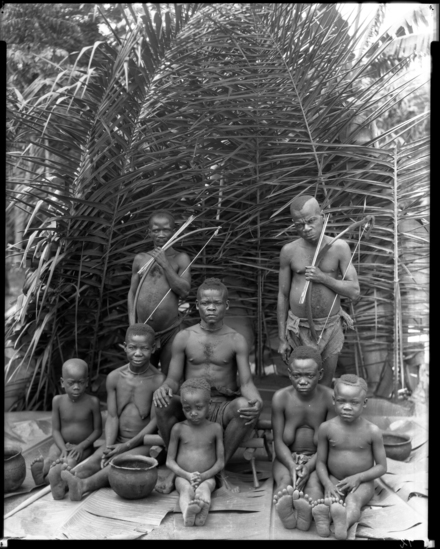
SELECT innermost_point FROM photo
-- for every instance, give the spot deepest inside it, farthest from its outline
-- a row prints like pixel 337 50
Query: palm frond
pixel 224 112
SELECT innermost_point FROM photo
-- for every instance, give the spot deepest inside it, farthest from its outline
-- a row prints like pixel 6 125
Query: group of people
pixel 326 454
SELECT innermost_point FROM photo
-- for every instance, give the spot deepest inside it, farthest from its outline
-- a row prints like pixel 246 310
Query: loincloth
pixel 164 336
pixel 332 339
pixel 302 459
pixel 217 407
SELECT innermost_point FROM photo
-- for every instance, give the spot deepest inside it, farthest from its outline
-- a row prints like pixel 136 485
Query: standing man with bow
pixel 316 321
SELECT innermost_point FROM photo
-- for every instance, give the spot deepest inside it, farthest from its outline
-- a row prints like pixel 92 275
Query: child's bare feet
pixel 37 471
pixel 321 514
pixel 203 515
pixel 166 485
pixel 74 483
pixel 57 484
pixel 303 506
pixel 193 509
pixel 284 506
pixel 339 516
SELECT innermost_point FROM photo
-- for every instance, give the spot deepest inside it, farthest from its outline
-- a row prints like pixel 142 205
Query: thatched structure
pixel 226 112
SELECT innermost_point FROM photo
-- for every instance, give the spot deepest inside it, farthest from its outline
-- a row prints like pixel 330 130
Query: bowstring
pixel 346 270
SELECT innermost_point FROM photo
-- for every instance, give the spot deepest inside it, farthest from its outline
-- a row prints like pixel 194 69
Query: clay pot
pixel 397 447
pixel 133 477
pixel 14 469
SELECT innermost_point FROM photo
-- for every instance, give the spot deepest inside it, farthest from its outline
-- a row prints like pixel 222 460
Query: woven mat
pixel 105 515
pixel 235 516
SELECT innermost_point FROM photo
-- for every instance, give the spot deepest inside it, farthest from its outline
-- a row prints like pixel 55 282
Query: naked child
pixel 351 455
pixel 195 452
pixel 76 422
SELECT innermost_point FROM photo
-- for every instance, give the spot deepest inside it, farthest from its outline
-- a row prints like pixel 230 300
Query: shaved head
pixel 161 214
pixel 74 364
pixel 299 202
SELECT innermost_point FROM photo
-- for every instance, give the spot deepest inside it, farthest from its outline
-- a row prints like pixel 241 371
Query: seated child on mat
pixel 76 422
pixel 351 455
pixel 195 452
pixel 297 413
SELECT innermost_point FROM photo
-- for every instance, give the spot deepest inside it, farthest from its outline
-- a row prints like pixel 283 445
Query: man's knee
pixel 232 411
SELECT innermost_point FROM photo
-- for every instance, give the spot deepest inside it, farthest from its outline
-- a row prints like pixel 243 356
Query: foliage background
pixel 226 112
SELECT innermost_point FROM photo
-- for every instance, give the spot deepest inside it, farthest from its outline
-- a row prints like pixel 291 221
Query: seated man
pixel 297 413
pixel 351 455
pixel 76 422
pixel 213 350
pixel 195 453
pixel 130 416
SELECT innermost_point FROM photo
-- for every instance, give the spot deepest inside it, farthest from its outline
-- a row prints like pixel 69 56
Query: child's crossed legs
pixel 194 504
pixel 40 466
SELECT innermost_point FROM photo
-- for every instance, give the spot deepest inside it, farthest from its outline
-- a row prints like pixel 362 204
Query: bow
pixel 368 221
pixel 201 250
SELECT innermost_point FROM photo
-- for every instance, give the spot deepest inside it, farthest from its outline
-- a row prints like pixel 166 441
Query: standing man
pixel 164 274
pixel 295 260
pixel 214 351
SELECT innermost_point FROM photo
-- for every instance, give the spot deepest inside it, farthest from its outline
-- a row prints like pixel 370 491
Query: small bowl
pixel 397 446
pixel 133 476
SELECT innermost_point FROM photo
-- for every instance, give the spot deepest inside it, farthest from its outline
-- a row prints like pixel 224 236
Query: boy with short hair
pixel 195 452
pixel 351 455
pixel 76 422
pixel 130 390
pixel 297 413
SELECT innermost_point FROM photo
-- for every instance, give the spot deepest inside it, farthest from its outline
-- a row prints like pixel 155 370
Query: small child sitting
pixel 351 455
pixel 195 452
pixel 76 422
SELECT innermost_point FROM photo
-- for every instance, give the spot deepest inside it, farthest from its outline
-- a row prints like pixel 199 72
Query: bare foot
pixel 321 514
pixel 203 515
pixel 339 516
pixel 57 483
pixel 38 475
pixel 166 485
pixel 75 484
pixel 303 506
pixel 284 506
pixel 193 509
pixel 226 484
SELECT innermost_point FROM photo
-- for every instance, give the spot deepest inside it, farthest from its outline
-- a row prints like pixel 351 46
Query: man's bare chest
pixel 156 272
pixel 210 350
pixel 303 258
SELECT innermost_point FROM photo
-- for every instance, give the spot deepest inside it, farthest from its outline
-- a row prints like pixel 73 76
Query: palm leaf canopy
pixel 222 111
